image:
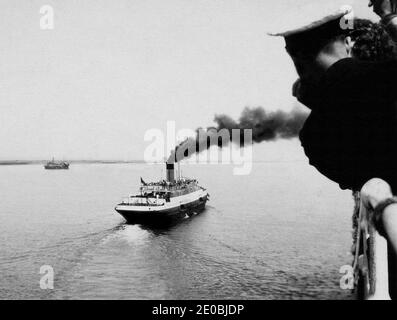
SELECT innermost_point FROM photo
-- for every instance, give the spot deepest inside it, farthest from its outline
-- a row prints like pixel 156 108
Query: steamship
pixel 55 165
pixel 164 201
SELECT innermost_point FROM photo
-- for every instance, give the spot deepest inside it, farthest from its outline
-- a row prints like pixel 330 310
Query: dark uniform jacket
pixel 351 134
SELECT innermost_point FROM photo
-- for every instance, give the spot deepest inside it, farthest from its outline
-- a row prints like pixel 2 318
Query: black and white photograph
pixel 221 152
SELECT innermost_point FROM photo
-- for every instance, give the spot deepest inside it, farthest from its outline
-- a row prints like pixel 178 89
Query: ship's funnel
pixel 170 172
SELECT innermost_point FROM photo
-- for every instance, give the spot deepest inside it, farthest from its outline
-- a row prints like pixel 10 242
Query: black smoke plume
pixel 265 126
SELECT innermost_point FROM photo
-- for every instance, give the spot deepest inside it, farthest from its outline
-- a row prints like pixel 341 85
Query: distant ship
pixel 56 165
pixel 165 200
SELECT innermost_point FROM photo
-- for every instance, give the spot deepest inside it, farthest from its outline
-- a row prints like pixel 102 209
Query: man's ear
pixel 349 44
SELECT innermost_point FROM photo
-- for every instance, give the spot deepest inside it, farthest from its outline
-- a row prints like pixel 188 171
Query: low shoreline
pixel 14 163
pixel 42 162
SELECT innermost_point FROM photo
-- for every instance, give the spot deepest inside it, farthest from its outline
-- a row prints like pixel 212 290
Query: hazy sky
pixel 111 69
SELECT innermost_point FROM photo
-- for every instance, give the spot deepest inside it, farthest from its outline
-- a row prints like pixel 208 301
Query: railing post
pixel 373 192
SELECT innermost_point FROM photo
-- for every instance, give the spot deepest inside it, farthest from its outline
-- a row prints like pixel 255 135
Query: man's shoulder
pixel 350 81
pixel 354 68
pixel 348 67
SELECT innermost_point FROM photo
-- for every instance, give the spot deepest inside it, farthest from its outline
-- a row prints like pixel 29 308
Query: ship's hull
pixel 56 167
pixel 162 215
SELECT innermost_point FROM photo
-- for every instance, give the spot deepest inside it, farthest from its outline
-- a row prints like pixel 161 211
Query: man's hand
pixel 384 7
pixel 374 192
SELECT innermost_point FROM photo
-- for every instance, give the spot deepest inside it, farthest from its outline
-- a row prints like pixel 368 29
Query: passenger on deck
pixel 351 133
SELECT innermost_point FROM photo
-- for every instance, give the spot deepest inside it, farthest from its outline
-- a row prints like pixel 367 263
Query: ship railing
pixel 165 188
pixel 371 257
pixel 142 201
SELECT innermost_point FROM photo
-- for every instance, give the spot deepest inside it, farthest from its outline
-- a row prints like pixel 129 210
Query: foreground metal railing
pixel 371 263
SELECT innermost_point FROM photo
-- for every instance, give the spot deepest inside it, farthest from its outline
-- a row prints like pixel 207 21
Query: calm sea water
pixel 282 232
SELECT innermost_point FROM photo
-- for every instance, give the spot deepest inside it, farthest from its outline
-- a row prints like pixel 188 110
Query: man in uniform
pixel 351 133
